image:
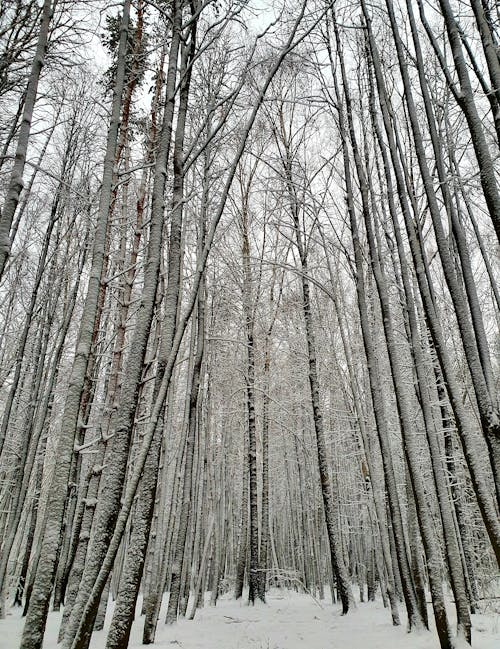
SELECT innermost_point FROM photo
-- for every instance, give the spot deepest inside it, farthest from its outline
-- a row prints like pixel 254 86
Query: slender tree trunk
pixel 403 403
pixel 377 490
pixel 18 493
pixel 198 592
pixel 451 544
pixel 481 489
pixel 30 535
pixel 490 49
pixel 408 588
pixel 472 333
pixel 264 534
pixel 174 287
pixel 248 314
pixel 37 613
pixel 468 105
pixel 41 269
pixel 40 426
pixel 241 561
pixel 136 554
pixel 16 177
pixel 90 603
pixel 337 561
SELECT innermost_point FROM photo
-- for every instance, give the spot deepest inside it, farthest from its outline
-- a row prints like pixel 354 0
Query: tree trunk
pixel 465 100
pixel 37 613
pixel 451 545
pixel 243 527
pixel 473 334
pixel 248 314
pixel 136 554
pixel 16 177
pixel 408 588
pixel 338 565
pixel 90 603
pixel 484 498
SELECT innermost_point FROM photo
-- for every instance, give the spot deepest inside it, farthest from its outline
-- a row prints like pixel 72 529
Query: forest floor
pixel 287 621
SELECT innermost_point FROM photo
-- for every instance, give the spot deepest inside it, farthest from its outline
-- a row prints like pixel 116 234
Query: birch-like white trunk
pixel 15 186
pixel 81 635
pixel 408 587
pixel 462 417
pixel 37 612
pixel 338 564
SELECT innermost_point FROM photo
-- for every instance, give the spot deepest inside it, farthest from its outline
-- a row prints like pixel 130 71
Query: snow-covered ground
pixel 288 621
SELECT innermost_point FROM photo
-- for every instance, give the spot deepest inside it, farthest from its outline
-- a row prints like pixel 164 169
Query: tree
pixel 39 603
pixel 16 176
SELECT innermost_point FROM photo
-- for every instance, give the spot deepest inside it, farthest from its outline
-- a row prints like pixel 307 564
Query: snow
pixel 288 621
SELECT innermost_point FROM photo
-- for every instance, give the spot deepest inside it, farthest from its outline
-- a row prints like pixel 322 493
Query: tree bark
pixel 90 604
pixel 481 489
pixel 16 177
pixel 338 565
pixel 408 587
pixel 37 613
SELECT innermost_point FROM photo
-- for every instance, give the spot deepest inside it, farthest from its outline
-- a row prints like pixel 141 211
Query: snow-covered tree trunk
pixel 379 409
pixel 402 400
pixel 248 297
pixel 338 565
pixel 37 612
pixel 472 333
pixel 108 508
pixel 465 98
pixel 451 543
pixel 243 524
pixel 15 186
pixel 129 585
pixel 481 489
pixel 17 495
pixel 171 307
pixel 264 534
pixel 376 480
pixel 490 47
